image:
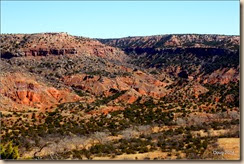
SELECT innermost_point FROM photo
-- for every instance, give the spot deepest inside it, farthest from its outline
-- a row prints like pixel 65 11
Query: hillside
pixel 44 44
pixel 175 41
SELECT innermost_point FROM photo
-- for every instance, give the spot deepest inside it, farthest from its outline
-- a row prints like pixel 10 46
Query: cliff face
pixel 203 57
pixel 55 44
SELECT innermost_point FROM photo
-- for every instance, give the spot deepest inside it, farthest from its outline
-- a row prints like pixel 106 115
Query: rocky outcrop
pixel 44 44
pixel 45 52
pixel 223 76
pixel 26 91
pixel 138 84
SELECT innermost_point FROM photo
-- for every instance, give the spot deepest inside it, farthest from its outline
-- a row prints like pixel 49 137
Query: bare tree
pixel 181 122
pixel 79 142
pixel 40 149
pixel 128 133
pixel 234 115
pixel 101 137
pixel 144 128
pixel 196 120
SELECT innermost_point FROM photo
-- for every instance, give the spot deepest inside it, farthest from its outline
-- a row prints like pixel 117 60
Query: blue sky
pixel 113 19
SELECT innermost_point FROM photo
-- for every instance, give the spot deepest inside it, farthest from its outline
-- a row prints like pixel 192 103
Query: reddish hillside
pixel 21 92
pixel 44 44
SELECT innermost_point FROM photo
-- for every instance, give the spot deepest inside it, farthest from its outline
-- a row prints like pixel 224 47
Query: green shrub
pixel 8 151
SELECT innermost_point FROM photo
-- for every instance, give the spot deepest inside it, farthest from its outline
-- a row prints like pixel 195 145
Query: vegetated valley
pixel 161 97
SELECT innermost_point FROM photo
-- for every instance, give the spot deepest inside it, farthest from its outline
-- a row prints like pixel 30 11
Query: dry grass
pixel 142 156
pixel 231 146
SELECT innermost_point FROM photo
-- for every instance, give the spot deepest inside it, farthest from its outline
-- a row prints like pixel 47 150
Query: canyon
pixel 65 85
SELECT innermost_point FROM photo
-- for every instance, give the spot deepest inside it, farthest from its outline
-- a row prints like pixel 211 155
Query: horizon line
pixel 130 36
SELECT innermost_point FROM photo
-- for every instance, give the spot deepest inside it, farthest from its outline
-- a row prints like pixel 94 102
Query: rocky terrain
pixel 175 41
pixel 153 97
pixel 54 44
